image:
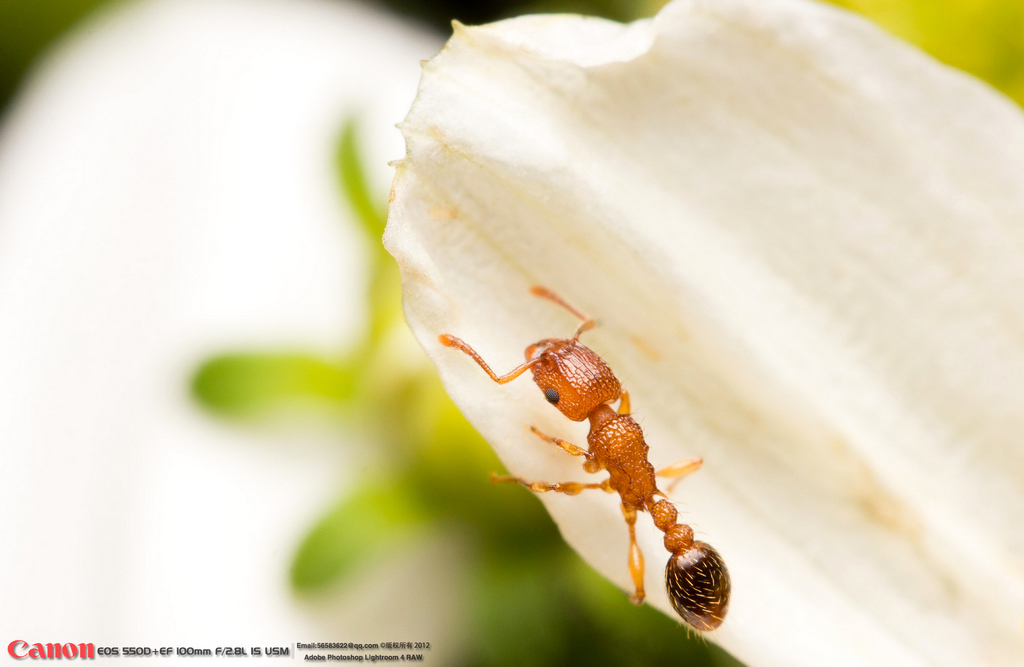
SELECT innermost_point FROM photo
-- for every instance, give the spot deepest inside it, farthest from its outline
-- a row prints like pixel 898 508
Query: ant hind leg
pixel 680 469
pixel 636 558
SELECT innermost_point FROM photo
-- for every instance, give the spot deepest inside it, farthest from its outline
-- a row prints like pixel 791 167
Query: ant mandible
pixel 581 385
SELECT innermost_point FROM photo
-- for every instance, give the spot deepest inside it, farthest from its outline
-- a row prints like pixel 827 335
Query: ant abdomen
pixel 697 582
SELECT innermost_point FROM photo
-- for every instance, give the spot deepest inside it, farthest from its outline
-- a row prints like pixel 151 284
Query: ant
pixel 581 385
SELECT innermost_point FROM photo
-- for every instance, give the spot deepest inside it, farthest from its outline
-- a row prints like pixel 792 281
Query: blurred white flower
pixel 804 243
pixel 167 189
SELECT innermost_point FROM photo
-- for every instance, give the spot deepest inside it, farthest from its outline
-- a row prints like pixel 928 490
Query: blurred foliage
pixel 244 384
pixel 366 525
pixel 26 27
pixel 532 600
pixel 983 37
pixel 440 13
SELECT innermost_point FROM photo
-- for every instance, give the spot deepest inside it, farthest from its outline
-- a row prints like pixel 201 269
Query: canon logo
pixel 21 649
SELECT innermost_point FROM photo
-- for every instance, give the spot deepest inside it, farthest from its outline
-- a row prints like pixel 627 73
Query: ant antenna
pixel 545 293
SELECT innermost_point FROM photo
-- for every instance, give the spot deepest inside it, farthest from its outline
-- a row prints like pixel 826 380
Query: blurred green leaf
pixel 516 619
pixel 26 27
pixel 983 37
pixel 372 215
pixel 452 474
pixel 242 384
pixel 363 526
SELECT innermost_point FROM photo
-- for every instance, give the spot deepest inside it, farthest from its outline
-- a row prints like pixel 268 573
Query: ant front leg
pixel 449 340
pixel 636 558
pixel 568 488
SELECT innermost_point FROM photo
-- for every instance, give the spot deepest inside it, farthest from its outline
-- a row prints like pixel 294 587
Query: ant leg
pixel 558 442
pixel 636 558
pixel 449 340
pixel 568 488
pixel 590 466
pixel 624 403
pixel 680 469
pixel 545 293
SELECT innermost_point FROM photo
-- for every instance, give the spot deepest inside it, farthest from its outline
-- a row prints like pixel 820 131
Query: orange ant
pixel 581 385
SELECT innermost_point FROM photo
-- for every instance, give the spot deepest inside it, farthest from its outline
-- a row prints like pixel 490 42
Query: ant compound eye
pixel 551 394
pixel 698 586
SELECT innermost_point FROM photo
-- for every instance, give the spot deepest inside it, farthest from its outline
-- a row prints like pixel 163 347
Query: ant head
pixel 698 586
pixel 572 377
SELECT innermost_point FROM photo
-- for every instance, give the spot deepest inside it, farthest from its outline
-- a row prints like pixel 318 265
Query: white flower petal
pixel 804 242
